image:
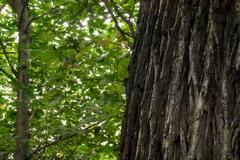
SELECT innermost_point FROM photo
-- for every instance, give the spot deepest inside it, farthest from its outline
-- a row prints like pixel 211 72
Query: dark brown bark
pixel 22 131
pixel 183 91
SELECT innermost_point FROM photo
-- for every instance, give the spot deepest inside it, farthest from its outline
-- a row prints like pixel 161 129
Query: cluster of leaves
pixel 79 60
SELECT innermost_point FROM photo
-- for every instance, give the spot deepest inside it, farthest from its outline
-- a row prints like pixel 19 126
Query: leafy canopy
pixel 79 57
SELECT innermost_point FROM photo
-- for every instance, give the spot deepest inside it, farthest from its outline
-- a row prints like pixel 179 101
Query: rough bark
pixel 22 131
pixel 183 91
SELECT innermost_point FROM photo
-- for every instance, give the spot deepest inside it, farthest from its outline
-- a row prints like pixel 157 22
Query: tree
pixel 183 90
pixel 22 129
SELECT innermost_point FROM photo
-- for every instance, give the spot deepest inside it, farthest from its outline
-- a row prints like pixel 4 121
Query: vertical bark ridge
pixel 155 122
pixel 172 129
pixel 137 81
pixel 143 136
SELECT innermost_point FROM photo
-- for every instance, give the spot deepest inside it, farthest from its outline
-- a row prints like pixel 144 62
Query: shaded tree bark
pixel 22 131
pixel 183 91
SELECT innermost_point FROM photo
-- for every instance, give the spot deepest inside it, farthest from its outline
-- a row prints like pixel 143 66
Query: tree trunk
pixel 183 91
pixel 22 132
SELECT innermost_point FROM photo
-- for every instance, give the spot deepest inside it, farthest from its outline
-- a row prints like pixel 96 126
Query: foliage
pixel 78 62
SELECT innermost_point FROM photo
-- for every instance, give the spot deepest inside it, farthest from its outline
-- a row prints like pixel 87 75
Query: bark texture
pixel 183 91
pixel 22 132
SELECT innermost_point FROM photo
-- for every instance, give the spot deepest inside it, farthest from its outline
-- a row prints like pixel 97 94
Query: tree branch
pixel 7 58
pixel 10 76
pixel 61 138
pixel 8 52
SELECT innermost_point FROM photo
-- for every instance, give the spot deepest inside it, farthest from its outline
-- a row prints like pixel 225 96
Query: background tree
pixel 21 75
pixel 183 91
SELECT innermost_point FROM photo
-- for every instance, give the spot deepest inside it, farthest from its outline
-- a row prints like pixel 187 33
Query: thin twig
pixel 133 8
pixel 123 34
pixel 4 4
pixel 120 14
pixel 72 153
pixel 47 12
